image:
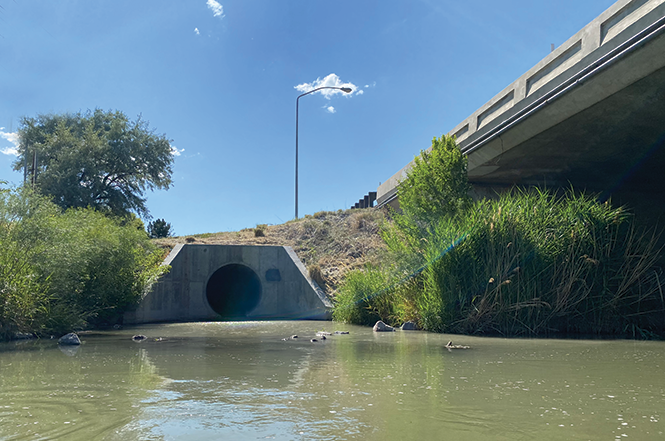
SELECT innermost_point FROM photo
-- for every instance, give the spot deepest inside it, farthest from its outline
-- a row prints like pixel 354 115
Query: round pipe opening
pixel 233 291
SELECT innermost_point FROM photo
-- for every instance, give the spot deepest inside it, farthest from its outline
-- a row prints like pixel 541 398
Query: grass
pixel 530 263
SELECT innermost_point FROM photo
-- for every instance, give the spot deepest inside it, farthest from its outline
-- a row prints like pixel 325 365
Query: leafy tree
pixel 95 159
pixel 159 228
pixel 437 185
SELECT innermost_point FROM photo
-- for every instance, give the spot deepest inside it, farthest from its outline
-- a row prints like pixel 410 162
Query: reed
pixel 528 263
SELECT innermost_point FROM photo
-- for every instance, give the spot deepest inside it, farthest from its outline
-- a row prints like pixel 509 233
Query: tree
pixel 159 228
pixel 437 185
pixel 95 159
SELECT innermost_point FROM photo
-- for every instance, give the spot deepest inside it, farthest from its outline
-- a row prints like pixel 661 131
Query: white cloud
pixel 331 80
pixel 359 92
pixel 216 8
pixel 175 151
pixel 12 137
pixel 330 109
pixel 196 31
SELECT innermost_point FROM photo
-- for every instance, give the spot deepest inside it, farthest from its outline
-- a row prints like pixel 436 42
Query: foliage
pixel 260 230
pixel 159 228
pixel 95 159
pixel 59 271
pixel 437 185
pixel 359 297
pixel 530 263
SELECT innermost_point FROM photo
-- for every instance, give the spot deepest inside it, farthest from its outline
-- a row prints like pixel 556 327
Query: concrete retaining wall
pixel 272 280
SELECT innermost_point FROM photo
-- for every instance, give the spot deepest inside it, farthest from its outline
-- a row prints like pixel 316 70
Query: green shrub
pixel 260 230
pixel 98 267
pixel 360 299
pixel 59 271
pixel 530 263
pixel 437 185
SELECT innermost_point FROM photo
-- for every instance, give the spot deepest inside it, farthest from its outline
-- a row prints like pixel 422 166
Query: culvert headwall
pixel 232 282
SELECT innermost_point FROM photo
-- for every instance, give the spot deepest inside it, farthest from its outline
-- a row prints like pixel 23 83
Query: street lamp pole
pixel 343 89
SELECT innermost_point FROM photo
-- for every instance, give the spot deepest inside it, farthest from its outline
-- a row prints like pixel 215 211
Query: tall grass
pixel 530 263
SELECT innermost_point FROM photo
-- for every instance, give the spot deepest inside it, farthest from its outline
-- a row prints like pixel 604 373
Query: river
pixel 241 381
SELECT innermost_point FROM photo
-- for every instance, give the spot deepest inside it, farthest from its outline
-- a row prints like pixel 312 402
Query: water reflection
pixel 241 381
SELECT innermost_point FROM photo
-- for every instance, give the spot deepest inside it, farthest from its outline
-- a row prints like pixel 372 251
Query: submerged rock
pixel 382 327
pixel 450 346
pixel 69 350
pixel 139 337
pixel 409 326
pixel 70 339
pixel 341 332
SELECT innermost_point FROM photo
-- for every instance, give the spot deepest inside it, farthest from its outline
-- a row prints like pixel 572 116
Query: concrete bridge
pixel 591 114
pixel 232 282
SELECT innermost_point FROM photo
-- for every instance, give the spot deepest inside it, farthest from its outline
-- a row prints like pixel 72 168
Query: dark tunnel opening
pixel 233 291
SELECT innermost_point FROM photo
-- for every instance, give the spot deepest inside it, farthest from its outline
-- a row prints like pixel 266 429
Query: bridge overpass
pixel 591 114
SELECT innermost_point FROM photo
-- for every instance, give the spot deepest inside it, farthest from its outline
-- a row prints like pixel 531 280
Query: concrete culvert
pixel 233 291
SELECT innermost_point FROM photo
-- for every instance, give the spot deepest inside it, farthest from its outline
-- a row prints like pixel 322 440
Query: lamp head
pixel 346 89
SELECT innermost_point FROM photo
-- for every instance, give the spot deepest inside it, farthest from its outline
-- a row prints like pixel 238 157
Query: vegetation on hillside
pixel 329 243
pixel 532 262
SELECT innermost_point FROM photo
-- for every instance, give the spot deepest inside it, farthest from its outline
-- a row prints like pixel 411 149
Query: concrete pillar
pixel 372 198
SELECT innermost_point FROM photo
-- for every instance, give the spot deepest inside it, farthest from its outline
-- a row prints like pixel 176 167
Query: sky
pixel 220 79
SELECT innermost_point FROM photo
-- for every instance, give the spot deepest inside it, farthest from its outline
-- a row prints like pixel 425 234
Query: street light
pixel 343 89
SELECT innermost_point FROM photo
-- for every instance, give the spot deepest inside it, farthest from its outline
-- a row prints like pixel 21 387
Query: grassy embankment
pixel 530 263
pixel 330 244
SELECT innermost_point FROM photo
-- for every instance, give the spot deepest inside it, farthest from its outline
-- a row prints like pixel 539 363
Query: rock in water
pixel 450 346
pixel 139 337
pixel 409 326
pixel 382 327
pixel 70 339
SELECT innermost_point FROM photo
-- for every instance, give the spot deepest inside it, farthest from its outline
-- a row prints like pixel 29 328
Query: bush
pixel 98 267
pixel 260 230
pixel 361 298
pixel 437 185
pixel 65 270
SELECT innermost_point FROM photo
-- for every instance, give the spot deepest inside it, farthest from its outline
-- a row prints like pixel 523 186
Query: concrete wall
pixel 285 289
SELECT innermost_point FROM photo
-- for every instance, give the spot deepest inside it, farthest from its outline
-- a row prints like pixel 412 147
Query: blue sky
pixel 220 78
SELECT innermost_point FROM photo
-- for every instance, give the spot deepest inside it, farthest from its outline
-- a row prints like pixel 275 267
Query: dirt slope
pixel 329 243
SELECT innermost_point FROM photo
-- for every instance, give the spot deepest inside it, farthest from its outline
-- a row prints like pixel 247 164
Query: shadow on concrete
pixel 233 291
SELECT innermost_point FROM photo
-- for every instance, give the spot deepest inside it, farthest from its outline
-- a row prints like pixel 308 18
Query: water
pixel 240 381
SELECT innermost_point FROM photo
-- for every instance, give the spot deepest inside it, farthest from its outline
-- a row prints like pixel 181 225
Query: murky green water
pixel 241 381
